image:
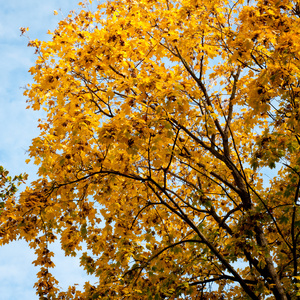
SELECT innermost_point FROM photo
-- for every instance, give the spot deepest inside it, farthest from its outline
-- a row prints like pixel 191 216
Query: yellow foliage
pixel 160 118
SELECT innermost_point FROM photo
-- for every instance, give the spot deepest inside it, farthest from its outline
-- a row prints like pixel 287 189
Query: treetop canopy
pixel 160 118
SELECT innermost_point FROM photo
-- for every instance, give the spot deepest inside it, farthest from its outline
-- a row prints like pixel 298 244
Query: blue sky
pixel 18 126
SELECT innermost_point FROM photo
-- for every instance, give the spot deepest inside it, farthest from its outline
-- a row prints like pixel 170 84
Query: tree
pixel 8 190
pixel 9 185
pixel 164 120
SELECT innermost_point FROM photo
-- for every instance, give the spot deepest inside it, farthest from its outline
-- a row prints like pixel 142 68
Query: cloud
pixel 17 275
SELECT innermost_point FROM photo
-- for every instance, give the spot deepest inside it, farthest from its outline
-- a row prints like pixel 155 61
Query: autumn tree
pixel 170 148
pixel 9 185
